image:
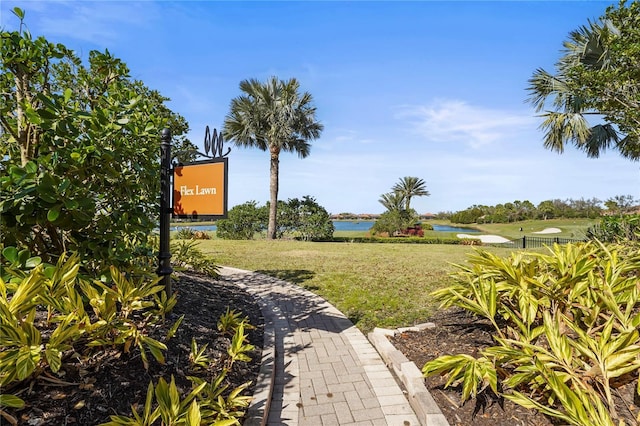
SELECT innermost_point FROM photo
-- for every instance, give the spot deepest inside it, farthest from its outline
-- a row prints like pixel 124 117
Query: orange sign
pixel 200 190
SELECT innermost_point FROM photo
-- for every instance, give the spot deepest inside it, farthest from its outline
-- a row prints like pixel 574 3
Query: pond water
pixel 447 228
pixel 347 225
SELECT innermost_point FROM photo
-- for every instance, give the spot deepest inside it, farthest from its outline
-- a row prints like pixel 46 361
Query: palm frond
pixel 392 201
pixel 409 187
pixel 272 114
pixel 543 85
pixel 560 127
pixel 600 138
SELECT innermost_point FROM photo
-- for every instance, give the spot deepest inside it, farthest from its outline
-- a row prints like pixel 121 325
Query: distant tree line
pixel 549 209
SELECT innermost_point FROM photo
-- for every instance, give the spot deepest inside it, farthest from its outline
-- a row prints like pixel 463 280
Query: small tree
pixel 311 221
pixel 399 214
pixel 78 152
pixel 622 229
pixel 243 222
pixel 546 210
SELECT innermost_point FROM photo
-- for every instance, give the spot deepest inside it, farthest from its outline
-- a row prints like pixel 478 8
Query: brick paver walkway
pixel 326 371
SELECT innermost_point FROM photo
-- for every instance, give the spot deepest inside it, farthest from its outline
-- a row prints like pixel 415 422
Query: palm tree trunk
pixel 273 192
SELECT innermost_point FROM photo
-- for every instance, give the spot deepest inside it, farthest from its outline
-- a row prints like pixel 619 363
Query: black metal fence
pixel 535 242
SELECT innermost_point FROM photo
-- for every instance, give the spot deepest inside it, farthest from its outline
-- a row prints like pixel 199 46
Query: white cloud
pixel 342 141
pixel 458 121
pixel 97 22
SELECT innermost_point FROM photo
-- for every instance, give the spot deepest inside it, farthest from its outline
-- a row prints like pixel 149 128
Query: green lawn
pixel 571 228
pixel 384 285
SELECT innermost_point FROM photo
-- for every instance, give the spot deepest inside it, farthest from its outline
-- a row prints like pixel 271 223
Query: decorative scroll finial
pixel 215 144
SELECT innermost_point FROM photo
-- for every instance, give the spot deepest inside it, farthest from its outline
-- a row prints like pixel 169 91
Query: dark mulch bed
pixel 90 389
pixel 458 332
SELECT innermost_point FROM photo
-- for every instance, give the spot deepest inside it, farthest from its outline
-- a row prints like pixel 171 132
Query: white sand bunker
pixel 489 239
pixel 548 231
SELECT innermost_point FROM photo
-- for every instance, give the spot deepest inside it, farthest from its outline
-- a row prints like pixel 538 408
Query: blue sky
pixel 423 88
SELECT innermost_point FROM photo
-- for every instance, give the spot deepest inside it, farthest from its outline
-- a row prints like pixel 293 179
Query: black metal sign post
pixel 164 255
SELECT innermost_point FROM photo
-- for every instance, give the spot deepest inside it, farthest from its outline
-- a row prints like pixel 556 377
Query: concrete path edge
pixel 425 407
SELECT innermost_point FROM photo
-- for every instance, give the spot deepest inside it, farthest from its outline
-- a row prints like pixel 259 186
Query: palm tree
pixel 392 201
pixel 273 116
pixel 574 99
pixel 410 186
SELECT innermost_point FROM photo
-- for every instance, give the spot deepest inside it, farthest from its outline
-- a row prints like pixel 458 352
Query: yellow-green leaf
pixel 11 401
pixel 193 416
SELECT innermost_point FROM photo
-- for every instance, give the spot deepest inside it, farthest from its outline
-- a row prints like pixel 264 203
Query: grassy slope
pixel 384 285
pixel 571 228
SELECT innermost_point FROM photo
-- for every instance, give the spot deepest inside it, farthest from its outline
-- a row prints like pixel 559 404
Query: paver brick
pixel 363 390
pixel 330 420
pixel 350 378
pixel 341 387
pixel 343 412
pixel 316 410
pixel 330 397
pixel 354 401
pixel 348 361
pixel 370 402
pixel 330 377
pixel 386 390
pixel 367 414
pixel 400 409
pixel 391 382
pixel 319 386
pixel 392 400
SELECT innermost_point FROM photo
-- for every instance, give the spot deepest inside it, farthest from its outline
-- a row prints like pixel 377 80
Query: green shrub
pixel 566 329
pixel 243 222
pixel 396 240
pixel 170 408
pixel 187 255
pixel 78 153
pixel 185 233
pixel 616 228
pixel 29 346
pixel 304 220
pixel 392 221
